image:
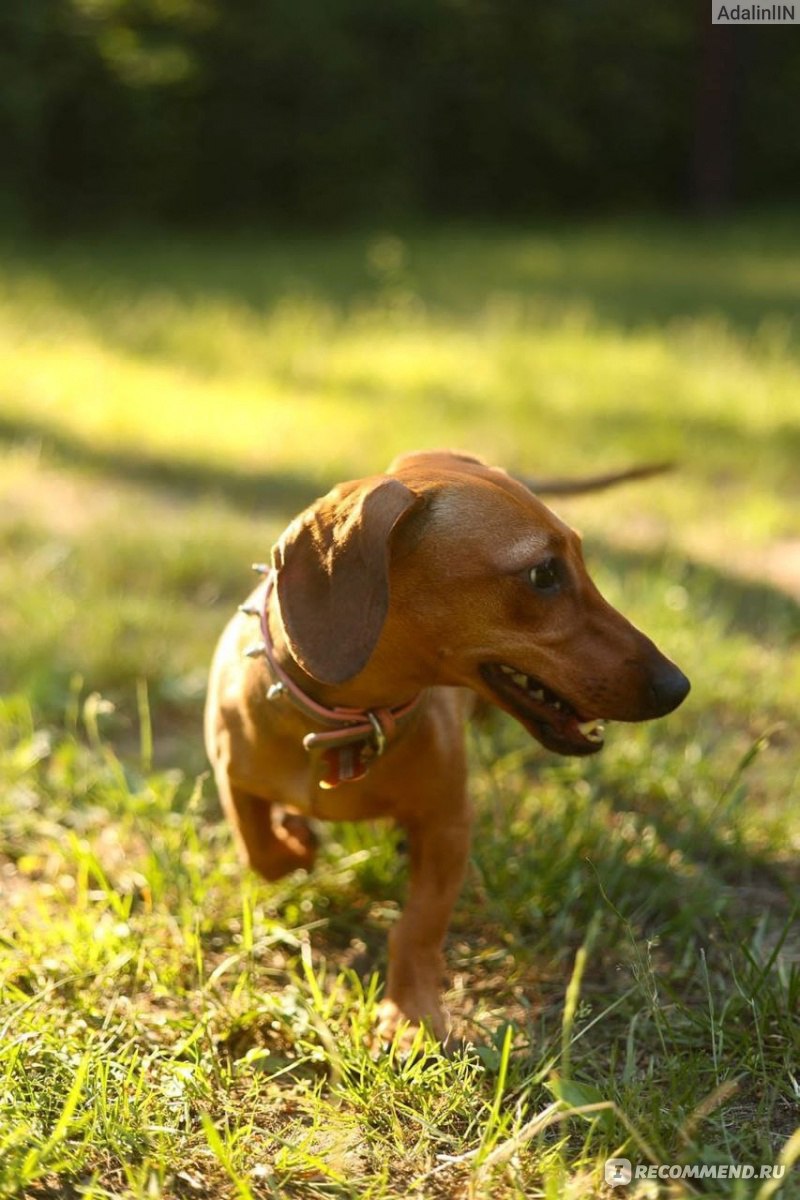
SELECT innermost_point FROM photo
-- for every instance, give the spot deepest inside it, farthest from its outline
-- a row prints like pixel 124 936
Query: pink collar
pixel 356 737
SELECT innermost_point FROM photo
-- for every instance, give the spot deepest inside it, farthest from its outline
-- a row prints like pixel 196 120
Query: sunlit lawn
pixel 171 1027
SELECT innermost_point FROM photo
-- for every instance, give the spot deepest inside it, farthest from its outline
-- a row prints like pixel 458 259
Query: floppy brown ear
pixel 333 576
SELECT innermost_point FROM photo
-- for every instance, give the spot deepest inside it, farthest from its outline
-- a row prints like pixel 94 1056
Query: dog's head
pixel 447 571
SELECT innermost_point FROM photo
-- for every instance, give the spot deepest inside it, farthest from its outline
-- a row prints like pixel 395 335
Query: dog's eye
pixel 546 576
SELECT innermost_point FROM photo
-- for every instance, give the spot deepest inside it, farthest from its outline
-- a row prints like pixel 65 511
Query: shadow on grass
pixel 726 450
pixel 761 610
pixel 632 274
pixel 281 492
pixel 286 493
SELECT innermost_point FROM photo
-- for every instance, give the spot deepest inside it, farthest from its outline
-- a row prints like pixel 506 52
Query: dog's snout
pixel 669 687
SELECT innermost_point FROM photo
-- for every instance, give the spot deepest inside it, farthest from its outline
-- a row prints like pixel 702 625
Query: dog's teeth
pixel 538 694
pixel 256 650
pixel 507 670
pixel 590 726
pixel 521 680
pixel 592 730
pixel 260 568
pixel 556 704
pixel 249 610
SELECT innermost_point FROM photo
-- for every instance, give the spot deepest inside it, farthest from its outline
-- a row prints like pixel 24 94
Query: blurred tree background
pixel 330 111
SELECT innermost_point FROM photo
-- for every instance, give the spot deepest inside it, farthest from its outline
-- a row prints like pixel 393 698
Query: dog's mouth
pixel 547 716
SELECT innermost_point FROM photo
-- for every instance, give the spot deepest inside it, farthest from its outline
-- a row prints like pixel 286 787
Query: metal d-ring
pixel 380 736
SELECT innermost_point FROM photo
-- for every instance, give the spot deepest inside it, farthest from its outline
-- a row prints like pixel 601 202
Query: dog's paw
pixel 291 846
pixel 397 1030
pixel 298 838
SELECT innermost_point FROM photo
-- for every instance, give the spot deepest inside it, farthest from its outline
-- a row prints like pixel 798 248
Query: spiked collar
pixel 354 737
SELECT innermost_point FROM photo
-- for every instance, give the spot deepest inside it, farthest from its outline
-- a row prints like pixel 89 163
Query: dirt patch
pixel 781 564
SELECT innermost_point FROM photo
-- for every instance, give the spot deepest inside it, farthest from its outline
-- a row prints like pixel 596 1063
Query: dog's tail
pixel 593 483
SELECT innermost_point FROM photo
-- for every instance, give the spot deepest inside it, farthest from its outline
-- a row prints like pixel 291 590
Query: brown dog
pixel 391 602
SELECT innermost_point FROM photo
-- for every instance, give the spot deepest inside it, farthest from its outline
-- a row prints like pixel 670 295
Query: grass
pixel 625 958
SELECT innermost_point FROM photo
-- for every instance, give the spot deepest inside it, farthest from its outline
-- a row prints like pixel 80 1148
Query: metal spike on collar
pixel 250 610
pixel 260 568
pixel 256 650
pixel 276 691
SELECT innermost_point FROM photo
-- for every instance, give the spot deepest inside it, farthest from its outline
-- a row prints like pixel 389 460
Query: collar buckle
pixel 377 729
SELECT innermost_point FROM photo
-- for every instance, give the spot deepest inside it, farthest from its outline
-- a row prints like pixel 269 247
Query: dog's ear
pixel 332 568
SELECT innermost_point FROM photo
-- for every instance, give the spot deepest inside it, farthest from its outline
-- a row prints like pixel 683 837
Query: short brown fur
pixel 410 582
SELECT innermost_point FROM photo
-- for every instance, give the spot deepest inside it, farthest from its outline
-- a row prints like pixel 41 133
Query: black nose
pixel 669 687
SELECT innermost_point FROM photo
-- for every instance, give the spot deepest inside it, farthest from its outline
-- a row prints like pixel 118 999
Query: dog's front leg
pixel 269 839
pixel 438 851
